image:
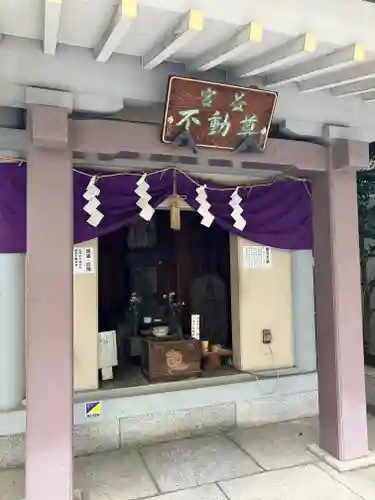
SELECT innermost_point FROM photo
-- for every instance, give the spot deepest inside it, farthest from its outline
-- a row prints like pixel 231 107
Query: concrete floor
pixel 264 463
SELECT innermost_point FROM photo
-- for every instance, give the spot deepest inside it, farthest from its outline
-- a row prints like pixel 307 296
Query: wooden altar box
pixel 164 360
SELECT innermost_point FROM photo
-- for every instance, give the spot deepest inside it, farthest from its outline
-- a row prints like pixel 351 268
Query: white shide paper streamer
pixel 204 206
pixel 144 199
pixel 235 202
pixel 91 208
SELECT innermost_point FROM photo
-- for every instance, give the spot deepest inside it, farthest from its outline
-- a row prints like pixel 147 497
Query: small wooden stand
pixel 212 360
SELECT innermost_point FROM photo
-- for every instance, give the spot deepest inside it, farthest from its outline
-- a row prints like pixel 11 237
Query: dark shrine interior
pixel 152 260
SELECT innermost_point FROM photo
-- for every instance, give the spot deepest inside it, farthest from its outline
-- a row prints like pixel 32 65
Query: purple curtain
pixel 278 215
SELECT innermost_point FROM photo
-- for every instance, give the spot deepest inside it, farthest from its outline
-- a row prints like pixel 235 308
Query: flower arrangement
pixel 173 312
pixel 133 309
pixel 174 306
pixel 134 302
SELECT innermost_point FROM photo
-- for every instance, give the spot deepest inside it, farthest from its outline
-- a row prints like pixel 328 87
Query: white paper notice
pixel 107 349
pixel 195 326
pixel 257 257
pixel 83 260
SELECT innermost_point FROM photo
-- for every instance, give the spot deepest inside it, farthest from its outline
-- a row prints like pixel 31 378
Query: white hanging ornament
pixel 144 199
pixel 204 206
pixel 93 203
pixel 235 203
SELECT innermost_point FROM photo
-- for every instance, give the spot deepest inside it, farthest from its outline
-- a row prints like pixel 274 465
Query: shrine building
pixel 179 245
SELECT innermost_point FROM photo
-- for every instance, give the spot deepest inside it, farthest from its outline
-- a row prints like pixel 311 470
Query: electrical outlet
pixel 266 336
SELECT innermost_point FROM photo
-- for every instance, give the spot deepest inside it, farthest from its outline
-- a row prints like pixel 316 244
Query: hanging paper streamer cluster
pixel 144 199
pixel 91 208
pixel 235 203
pixel 204 206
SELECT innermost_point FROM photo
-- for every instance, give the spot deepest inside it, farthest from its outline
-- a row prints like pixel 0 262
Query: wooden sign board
pixel 217 115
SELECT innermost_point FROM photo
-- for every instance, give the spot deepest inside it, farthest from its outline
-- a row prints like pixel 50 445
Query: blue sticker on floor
pixel 93 410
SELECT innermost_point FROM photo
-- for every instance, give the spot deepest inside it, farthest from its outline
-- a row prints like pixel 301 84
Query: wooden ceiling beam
pixel 322 65
pixel 364 72
pixel 289 52
pixel 236 45
pixel 52 15
pixel 179 36
pixel 122 20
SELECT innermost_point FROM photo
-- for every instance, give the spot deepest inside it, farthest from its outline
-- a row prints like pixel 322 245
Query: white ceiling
pixel 76 28
pixel 327 17
pixel 82 23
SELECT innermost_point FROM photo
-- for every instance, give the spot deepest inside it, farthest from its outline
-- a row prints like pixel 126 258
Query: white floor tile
pixel 305 482
pixel 280 445
pixel 361 481
pixel 113 476
pixel 206 492
pixel 193 462
pixel 12 484
pixel 192 465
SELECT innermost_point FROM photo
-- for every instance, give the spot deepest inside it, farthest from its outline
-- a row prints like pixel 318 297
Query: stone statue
pixel 209 300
